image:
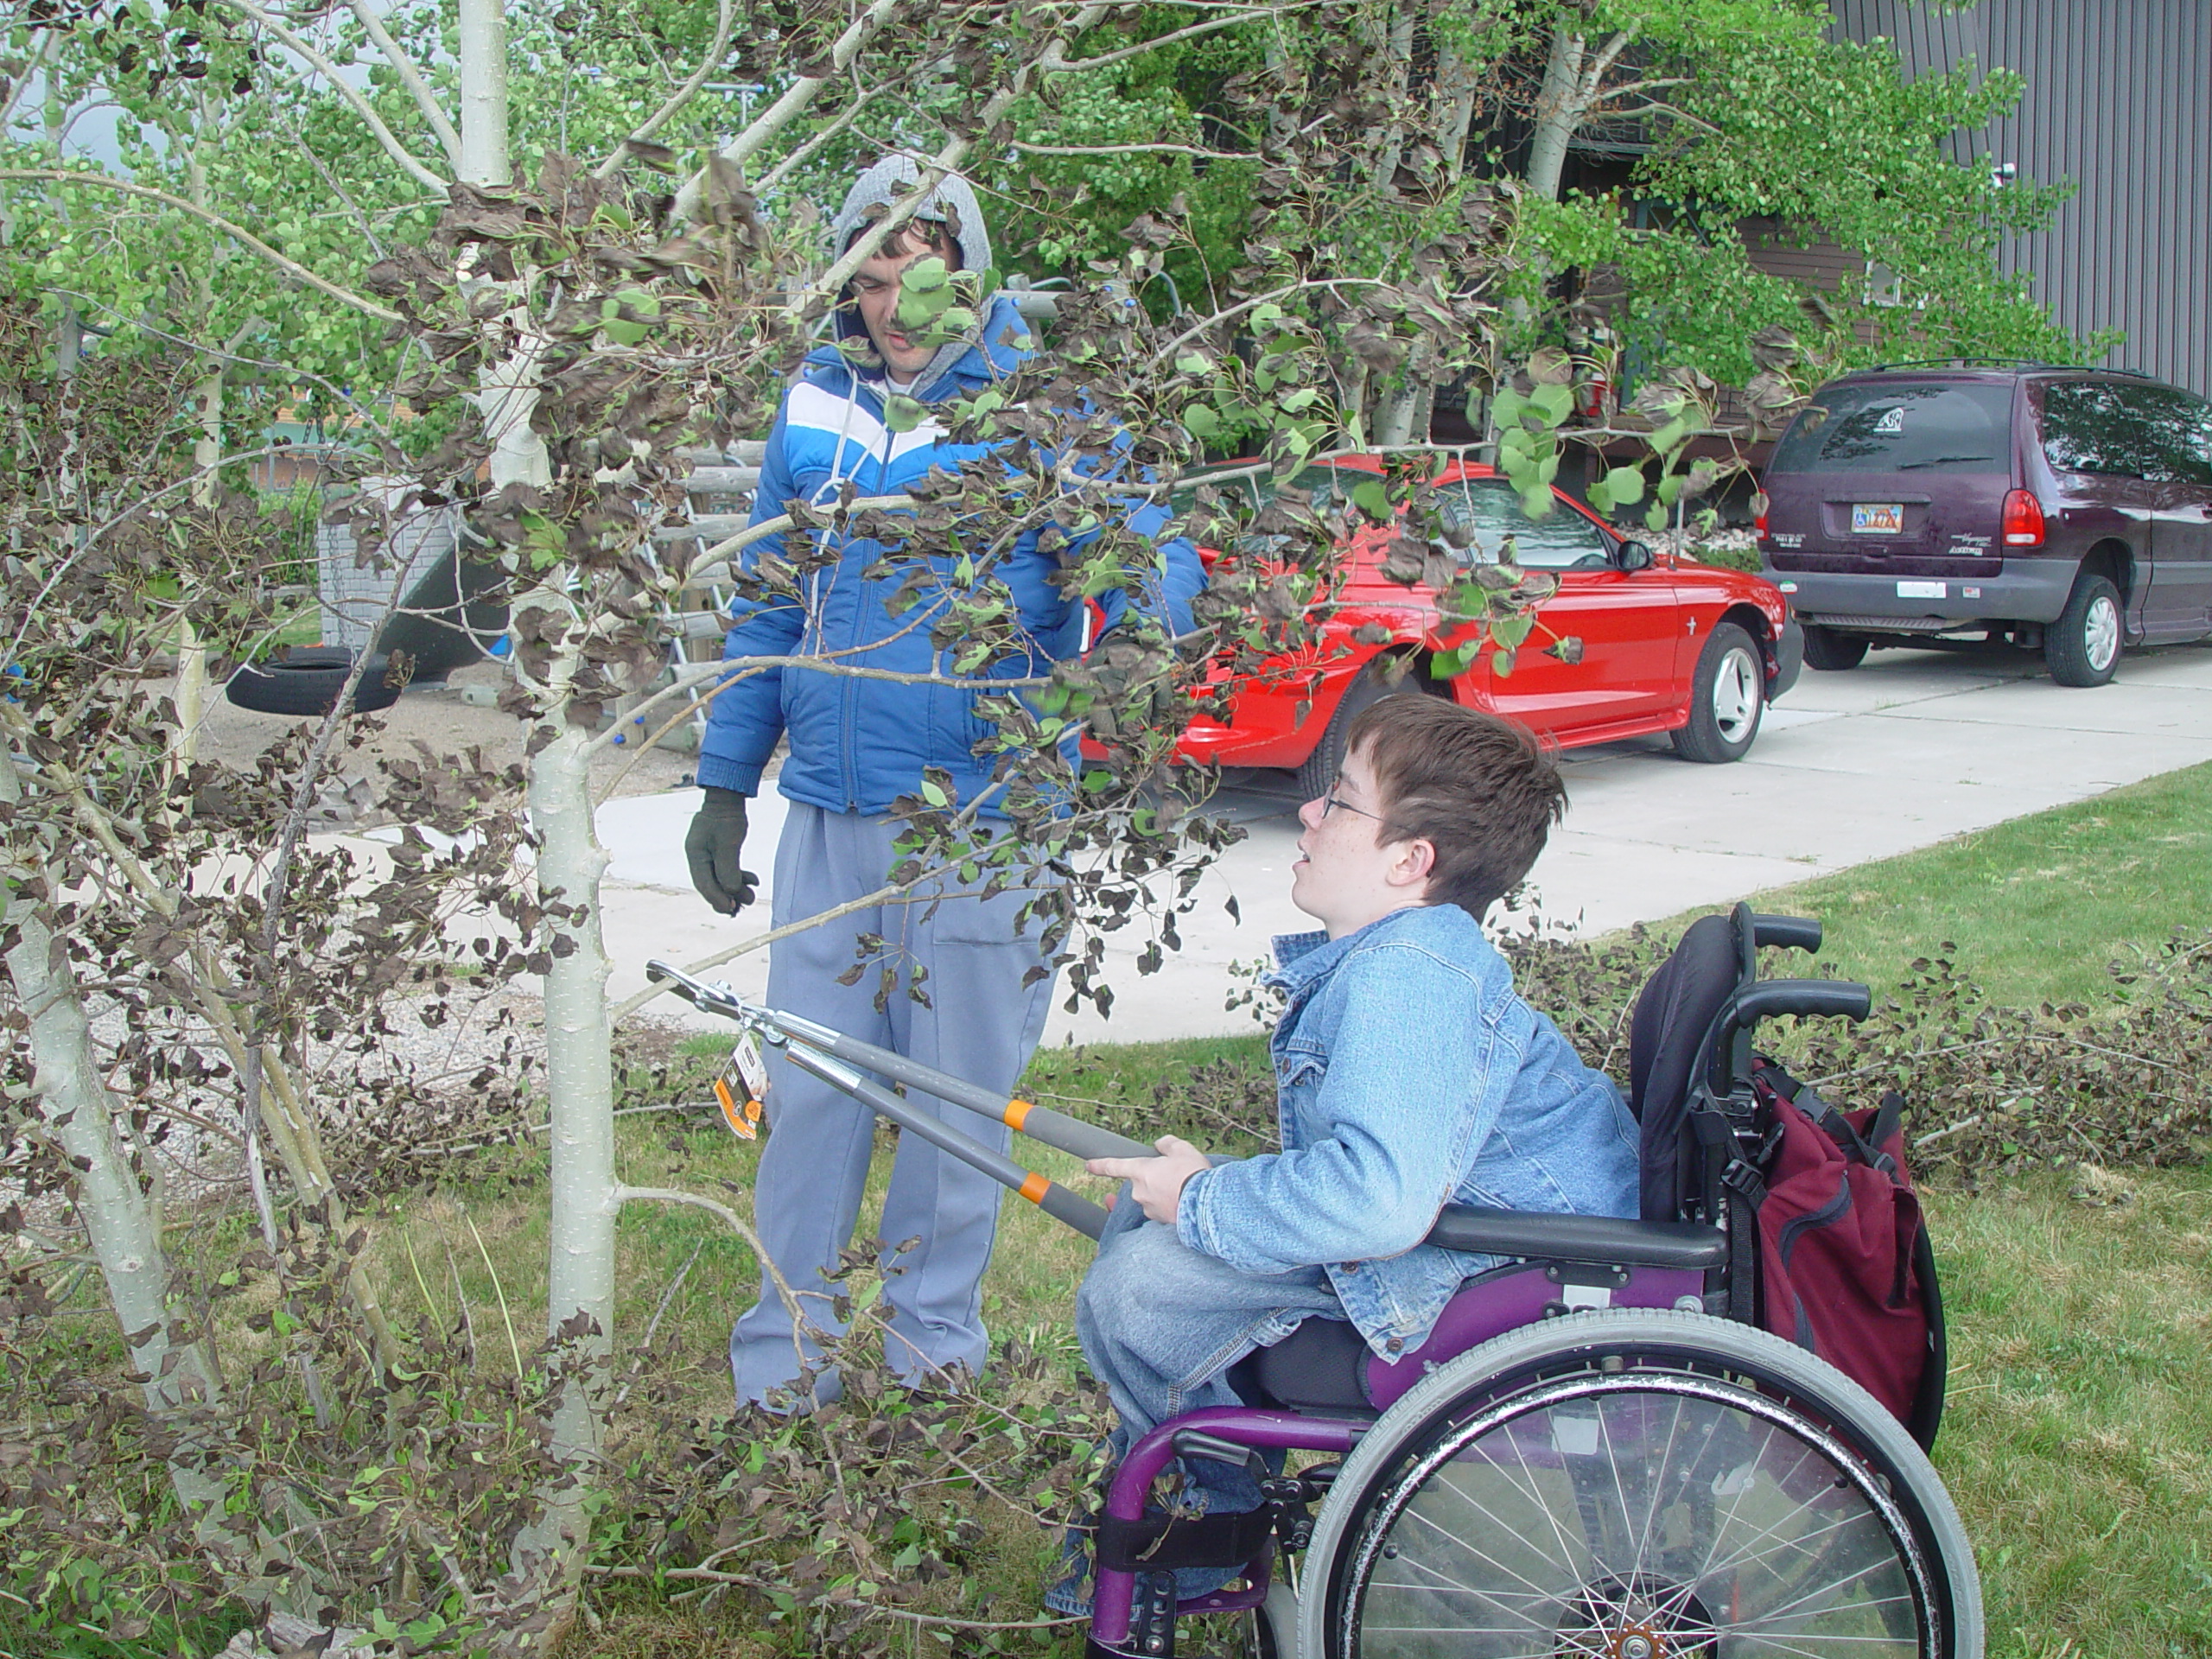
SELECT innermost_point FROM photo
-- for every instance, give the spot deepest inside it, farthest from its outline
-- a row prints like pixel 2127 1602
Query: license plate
pixel 1923 590
pixel 1876 517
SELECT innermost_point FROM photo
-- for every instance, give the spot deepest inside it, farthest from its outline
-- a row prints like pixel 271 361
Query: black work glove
pixel 716 838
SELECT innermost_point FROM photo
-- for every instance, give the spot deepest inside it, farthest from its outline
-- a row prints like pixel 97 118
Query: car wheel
pixel 1726 701
pixel 2082 647
pixel 291 686
pixel 1370 686
pixel 1826 649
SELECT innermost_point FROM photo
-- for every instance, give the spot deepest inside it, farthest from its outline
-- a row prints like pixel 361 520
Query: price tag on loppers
pixel 742 1088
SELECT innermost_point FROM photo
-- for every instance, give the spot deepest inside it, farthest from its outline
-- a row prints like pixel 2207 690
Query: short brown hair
pixel 1479 789
pixel 918 235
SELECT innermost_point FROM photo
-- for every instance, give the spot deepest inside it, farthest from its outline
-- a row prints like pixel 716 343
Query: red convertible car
pixel 1666 644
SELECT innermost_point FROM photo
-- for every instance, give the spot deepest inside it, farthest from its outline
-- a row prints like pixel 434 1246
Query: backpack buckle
pixel 1743 1177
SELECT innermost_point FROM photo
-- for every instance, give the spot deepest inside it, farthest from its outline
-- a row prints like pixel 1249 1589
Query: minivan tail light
pixel 2023 519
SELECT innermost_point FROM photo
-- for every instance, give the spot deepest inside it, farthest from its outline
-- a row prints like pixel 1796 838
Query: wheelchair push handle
pixel 1788 933
pixel 1807 998
pixel 1085 1140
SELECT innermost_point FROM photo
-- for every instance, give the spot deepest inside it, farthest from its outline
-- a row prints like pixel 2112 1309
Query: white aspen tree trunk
pixel 206 451
pixel 483 42
pixel 580 1082
pixel 1559 110
pixel 579 1069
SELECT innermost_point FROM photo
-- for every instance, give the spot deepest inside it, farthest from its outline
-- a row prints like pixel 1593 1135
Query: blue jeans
pixel 1160 1324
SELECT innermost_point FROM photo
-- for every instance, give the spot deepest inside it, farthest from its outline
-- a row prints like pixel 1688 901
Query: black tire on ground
pixel 1826 649
pixel 1318 770
pixel 2082 647
pixel 292 687
pixel 1726 700
pixel 316 656
pixel 1639 1472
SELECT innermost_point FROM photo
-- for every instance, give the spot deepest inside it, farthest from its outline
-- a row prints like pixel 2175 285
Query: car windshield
pixel 1488 507
pixel 1563 540
pixel 1884 427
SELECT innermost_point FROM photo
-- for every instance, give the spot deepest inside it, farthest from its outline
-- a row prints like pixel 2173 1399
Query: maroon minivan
pixel 2064 509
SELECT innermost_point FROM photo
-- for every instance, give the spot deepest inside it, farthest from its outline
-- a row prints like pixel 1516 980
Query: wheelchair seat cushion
pixel 1321 1366
pixel 1677 1009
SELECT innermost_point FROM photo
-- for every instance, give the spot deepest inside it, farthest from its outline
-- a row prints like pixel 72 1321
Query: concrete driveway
pixel 1911 748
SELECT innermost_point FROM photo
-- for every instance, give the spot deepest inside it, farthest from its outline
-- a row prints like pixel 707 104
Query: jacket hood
pixel 952 204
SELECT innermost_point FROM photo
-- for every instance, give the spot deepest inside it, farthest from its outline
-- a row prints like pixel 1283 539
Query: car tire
pixel 2082 647
pixel 1370 686
pixel 1828 650
pixel 1726 701
pixel 292 686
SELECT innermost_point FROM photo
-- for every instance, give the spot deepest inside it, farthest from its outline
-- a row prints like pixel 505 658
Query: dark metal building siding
pixel 2115 101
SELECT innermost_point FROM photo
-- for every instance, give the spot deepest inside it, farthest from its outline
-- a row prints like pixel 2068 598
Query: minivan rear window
pixel 1882 427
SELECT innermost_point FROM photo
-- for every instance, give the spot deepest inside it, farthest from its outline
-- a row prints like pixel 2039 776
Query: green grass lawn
pixel 2038 907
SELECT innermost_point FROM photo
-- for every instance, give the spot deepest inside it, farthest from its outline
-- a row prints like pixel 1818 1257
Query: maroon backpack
pixel 1846 1270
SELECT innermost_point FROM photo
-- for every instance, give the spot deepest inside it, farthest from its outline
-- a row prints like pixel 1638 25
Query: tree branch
pixel 1131 150
pixel 800 93
pixel 345 90
pixel 660 117
pixel 290 267
pixel 411 78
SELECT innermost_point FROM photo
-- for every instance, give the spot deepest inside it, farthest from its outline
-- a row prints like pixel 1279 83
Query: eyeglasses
pixel 1330 804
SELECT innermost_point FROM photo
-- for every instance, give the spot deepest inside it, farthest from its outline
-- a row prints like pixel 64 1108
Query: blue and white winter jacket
pixel 856 744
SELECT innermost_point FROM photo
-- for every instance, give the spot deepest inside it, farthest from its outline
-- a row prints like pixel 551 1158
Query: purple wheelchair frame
pixel 1485 1309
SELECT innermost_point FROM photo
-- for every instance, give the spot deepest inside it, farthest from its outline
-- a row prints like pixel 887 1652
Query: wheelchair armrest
pixel 1579 1238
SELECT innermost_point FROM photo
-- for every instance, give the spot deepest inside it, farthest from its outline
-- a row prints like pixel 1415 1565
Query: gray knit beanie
pixel 953 202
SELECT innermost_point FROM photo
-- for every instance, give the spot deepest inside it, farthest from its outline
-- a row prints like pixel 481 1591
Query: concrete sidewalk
pixel 1912 749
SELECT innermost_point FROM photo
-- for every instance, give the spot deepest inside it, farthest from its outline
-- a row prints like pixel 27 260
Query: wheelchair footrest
pixel 1160 1543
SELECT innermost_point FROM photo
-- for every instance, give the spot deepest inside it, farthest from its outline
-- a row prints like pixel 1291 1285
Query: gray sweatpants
pixel 981 1024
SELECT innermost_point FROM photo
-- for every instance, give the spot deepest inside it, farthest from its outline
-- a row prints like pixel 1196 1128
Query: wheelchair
pixel 1594 1452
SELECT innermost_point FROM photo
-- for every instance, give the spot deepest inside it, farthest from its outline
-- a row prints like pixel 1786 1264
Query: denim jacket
pixel 1409 1075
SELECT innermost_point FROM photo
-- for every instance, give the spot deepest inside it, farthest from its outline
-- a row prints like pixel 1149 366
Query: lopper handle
pixel 1048 1195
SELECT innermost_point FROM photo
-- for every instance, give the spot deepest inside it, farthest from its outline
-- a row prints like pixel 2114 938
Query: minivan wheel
pixel 2082 647
pixel 1826 649
pixel 1727 700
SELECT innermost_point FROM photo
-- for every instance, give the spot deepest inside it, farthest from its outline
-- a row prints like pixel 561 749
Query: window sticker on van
pixel 1892 420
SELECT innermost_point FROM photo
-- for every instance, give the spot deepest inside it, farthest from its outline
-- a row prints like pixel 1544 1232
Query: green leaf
pixel 1301 400
pixel 623 332
pixel 1501 664
pixel 1554 402
pixel 1450 665
pixel 1668 438
pixel 1624 485
pixel 1536 500
pixel 902 413
pixel 1191 363
pixel 1656 519
pixel 1200 421
pixel 1510 631
pixel 1506 408
pixel 1371 498
pixel 1671 489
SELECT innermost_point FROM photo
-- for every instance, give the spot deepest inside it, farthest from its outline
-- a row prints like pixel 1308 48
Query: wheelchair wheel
pixel 1638 1484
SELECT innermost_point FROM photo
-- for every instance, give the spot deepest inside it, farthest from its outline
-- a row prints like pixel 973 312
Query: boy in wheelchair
pixel 1410 1076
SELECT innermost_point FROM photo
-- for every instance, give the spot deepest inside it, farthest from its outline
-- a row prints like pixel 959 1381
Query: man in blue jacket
pixel 856 745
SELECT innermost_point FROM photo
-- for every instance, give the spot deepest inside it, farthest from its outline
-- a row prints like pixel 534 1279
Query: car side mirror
pixel 1633 556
